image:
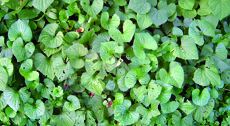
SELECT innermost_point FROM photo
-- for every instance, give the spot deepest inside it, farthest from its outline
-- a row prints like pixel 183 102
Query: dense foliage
pixel 114 62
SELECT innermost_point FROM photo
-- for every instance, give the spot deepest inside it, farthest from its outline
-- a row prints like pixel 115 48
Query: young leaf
pixel 20 29
pixel 128 32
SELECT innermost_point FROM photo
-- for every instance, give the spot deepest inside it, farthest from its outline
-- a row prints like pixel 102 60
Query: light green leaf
pixel 200 98
pixel 120 2
pixel 26 70
pixel 204 8
pixel 187 4
pixel 76 52
pixel 71 36
pixel 102 37
pixel 12 98
pixel 3 79
pixel 106 22
pixel 179 121
pixel 130 79
pixel 93 9
pixel 187 107
pixel 48 36
pixel 154 90
pixel 42 5
pixel 21 51
pixel 198 29
pixel 92 83
pixel 63 119
pixel 169 107
pixel 177 31
pixel 148 114
pixel 98 108
pixel 119 98
pixel 20 29
pixel 57 92
pixel 73 103
pixel 7 64
pixel 207 74
pixel 175 75
pixel 10 112
pixel 143 41
pixel 109 50
pixel 62 70
pixel 128 32
pixel 44 65
pixel 158 17
pixel 218 8
pixel 143 21
pixel 125 116
pixel 46 89
pixel 139 6
pixel 24 94
pixel 34 112
pixel 165 94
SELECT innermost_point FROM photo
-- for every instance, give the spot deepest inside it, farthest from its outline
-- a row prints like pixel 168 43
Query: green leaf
pixel 198 29
pixel 35 111
pixel 3 79
pixel 24 94
pixel 204 8
pixel 71 36
pixel 119 99
pixel 169 107
pixel 179 121
pixel 21 51
pixel 139 6
pixel 98 108
pixel 46 89
pixel 106 23
pixel 218 8
pixel 109 50
pixel 57 92
pixel 200 98
pixel 62 70
pixel 63 119
pixel 42 5
pixel 44 65
pixel 120 2
pixel 7 64
pixel 130 79
pixel 207 74
pixel 93 9
pixel 20 29
pixel 128 32
pixel 48 36
pixel 158 17
pixel 165 94
pixel 27 72
pixel 76 52
pixel 177 31
pixel 125 116
pixel 187 107
pixel 186 4
pixel 12 98
pixel 148 114
pixel 10 112
pixel 102 37
pixel 73 103
pixel 175 75
pixel 143 41
pixel 27 13
pixel 143 21
pixel 93 83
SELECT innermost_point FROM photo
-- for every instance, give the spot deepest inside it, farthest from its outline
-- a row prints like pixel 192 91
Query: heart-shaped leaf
pixel 35 111
pixel 109 51
pixel 124 115
pixel 93 9
pixel 200 98
pixel 106 22
pixel 175 75
pixel 73 103
pixel 62 70
pixel 128 32
pixel 48 37
pixel 42 5
pixel 143 41
pixel 187 4
pixel 218 8
pixel 20 29
pixel 12 98
pixel 44 65
pixel 21 51
pixel 139 6
pixel 169 107
pixel 158 17
pixel 27 72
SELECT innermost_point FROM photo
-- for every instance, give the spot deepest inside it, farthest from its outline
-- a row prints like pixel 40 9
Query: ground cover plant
pixel 114 62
